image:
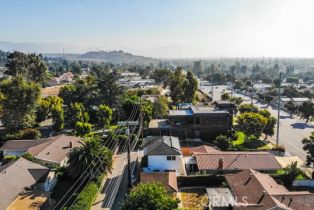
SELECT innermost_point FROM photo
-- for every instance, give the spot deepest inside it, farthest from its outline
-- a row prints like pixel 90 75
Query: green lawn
pixel 252 144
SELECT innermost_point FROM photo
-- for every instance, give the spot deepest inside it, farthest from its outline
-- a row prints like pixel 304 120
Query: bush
pixel 86 197
pixel 82 129
pixel 28 156
pixel 8 159
pixel 248 108
pixel 30 133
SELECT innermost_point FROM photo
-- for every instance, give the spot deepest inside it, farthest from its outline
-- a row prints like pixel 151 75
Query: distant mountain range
pixel 116 57
pixel 50 50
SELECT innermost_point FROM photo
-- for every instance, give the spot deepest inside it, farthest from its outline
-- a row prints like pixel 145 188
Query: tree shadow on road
pixel 301 125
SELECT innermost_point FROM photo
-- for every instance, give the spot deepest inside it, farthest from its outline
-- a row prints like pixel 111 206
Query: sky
pixel 165 28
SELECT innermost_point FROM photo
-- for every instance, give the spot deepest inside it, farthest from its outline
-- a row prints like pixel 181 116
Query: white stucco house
pixel 163 155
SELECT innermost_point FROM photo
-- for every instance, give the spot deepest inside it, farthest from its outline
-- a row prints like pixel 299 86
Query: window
pixel 156 170
pixel 171 157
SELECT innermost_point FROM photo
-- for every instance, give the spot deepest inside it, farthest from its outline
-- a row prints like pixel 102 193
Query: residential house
pixel 167 179
pixel 255 191
pixel 195 122
pixel 17 177
pixel 163 154
pixel 215 161
pixel 51 152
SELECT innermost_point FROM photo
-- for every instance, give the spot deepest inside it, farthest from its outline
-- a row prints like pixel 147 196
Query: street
pixel 292 130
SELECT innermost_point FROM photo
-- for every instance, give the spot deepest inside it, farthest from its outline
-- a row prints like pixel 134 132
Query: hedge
pixel 86 198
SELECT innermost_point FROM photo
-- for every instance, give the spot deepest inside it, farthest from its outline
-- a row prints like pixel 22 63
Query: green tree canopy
pixel 251 124
pixel 150 196
pixel 92 155
pixel 29 66
pixel 308 146
pixel 19 103
pixel 104 115
pixel 248 108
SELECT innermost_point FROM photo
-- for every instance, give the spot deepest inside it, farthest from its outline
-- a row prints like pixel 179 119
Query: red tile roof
pixel 237 161
pixel 167 179
pixel 260 191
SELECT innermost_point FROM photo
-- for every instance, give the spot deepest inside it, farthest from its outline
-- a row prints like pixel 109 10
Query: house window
pixel 171 157
pixel 156 170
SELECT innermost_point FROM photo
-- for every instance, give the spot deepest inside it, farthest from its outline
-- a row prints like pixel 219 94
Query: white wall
pixel 160 162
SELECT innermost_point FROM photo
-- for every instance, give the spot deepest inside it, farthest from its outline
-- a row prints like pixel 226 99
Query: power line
pixel 119 131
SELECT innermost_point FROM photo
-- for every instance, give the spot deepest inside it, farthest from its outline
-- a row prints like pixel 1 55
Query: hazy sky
pixel 166 28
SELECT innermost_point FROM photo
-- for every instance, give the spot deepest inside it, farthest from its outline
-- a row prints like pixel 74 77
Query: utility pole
pixel 278 118
pixel 252 87
pixel 212 88
pixel 129 158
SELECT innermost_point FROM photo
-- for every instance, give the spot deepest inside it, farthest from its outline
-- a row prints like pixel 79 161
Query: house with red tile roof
pixel 255 191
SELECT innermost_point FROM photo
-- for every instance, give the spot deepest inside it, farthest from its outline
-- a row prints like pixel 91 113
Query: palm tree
pixel 90 156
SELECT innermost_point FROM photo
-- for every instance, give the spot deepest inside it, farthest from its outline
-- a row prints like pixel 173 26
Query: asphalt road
pixel 292 130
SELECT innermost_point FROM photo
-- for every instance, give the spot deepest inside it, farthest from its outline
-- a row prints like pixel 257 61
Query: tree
pixel 104 115
pixel 57 118
pixel 190 87
pixel 82 128
pixel 92 155
pixel 162 76
pixel 222 142
pixel 225 97
pixel 291 107
pixel 43 109
pixel 307 110
pixel 292 171
pixel 149 196
pixel 19 103
pixel 265 113
pixel 251 124
pixel 76 113
pixel 160 107
pixel 248 108
pixel 270 126
pixel 31 67
pixel 176 86
pixel 308 146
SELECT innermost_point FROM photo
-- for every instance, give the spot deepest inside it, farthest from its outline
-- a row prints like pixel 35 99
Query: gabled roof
pixel 15 177
pixel 237 160
pixel 57 150
pixel 167 179
pixel 164 145
pixel 262 192
pixel 53 149
pixel 22 144
pixel 200 149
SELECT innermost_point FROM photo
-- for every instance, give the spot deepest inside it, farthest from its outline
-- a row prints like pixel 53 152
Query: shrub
pixel 82 129
pixel 8 159
pixel 28 156
pixel 222 142
pixel 86 198
pixel 30 133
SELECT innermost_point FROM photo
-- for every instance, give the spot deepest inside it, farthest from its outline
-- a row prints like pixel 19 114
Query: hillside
pixel 116 57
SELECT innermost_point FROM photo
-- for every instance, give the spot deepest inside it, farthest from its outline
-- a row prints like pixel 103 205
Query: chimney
pixel 220 163
pixel 71 144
